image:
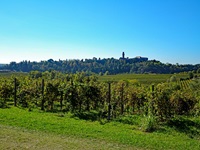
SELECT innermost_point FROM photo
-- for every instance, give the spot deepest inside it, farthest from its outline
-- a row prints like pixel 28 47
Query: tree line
pixel 101 66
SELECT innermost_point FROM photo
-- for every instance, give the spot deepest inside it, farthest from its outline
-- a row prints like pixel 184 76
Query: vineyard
pixel 145 79
pixel 82 95
pixel 113 111
pixel 185 84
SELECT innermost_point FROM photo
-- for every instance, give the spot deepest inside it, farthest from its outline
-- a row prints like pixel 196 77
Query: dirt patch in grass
pixel 20 139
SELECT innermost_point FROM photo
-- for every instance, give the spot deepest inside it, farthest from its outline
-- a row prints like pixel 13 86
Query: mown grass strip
pixel 19 138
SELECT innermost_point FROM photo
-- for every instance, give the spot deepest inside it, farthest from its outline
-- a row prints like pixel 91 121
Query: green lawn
pixel 36 129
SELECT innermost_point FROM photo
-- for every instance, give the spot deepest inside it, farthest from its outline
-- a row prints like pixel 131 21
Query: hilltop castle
pixel 139 58
pixel 123 56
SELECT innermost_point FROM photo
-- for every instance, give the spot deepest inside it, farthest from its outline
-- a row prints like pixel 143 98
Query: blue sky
pixel 165 30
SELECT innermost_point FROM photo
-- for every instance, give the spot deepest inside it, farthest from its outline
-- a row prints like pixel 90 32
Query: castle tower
pixel 123 55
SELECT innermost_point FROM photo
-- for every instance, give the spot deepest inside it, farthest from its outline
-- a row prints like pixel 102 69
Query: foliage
pixel 149 123
pixel 186 125
pixel 82 94
pixel 173 78
pixel 191 75
pixel 5 92
pixel 99 66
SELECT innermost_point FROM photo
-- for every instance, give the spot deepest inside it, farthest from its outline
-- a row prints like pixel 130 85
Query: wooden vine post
pixel 109 99
pixel 122 99
pixel 15 92
pixel 61 100
pixel 152 99
pixel 42 104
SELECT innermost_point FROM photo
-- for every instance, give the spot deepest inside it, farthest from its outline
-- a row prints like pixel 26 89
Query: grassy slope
pixel 113 133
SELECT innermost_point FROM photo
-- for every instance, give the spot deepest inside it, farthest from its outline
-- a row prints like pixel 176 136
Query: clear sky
pixel 165 30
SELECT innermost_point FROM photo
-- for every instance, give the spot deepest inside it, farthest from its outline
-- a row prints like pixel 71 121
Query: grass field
pixel 21 129
pixel 14 74
pixel 142 78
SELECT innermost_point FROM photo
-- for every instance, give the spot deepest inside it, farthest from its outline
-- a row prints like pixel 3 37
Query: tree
pixel 173 78
pixel 198 71
pixel 191 75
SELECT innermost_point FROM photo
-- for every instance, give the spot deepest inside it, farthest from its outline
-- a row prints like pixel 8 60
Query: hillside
pixel 102 66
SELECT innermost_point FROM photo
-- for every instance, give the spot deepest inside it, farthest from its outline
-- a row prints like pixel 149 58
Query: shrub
pixel 149 123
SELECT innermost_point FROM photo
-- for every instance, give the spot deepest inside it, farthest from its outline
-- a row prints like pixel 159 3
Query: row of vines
pixel 54 91
pixel 184 84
